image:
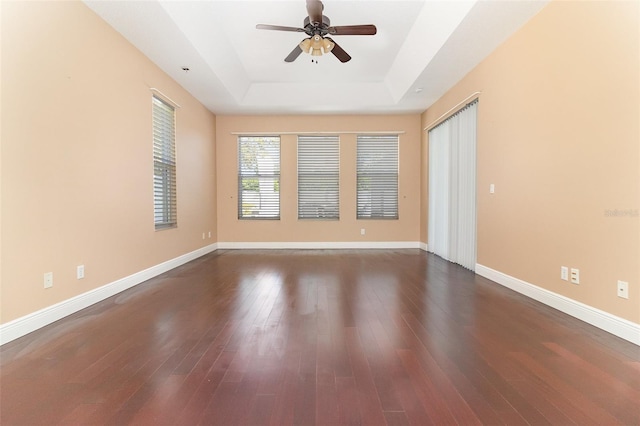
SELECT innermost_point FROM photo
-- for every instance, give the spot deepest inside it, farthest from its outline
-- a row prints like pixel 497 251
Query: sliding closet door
pixel 452 188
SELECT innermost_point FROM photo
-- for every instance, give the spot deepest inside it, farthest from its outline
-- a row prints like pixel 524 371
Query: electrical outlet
pixel 362 231
pixel 564 273
pixel 623 289
pixel 48 280
pixel 80 272
pixel 209 234
pixel 203 235
pixel 575 276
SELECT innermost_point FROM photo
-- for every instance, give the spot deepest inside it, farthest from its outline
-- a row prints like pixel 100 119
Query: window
pixel 164 164
pixel 377 174
pixel 259 177
pixel 318 177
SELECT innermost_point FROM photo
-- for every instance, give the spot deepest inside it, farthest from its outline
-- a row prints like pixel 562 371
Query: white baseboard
pixel 31 322
pixel 21 326
pixel 424 246
pixel 320 245
pixel 615 325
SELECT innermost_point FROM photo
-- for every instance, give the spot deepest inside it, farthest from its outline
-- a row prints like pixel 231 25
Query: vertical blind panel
pixel 438 227
pixel 164 164
pixel 377 175
pixel 452 188
pixel 466 204
pixel 259 177
pixel 318 177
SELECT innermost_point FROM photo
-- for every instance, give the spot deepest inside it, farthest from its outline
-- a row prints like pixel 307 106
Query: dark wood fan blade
pixel 353 30
pixel 278 28
pixel 314 9
pixel 339 52
pixel 294 54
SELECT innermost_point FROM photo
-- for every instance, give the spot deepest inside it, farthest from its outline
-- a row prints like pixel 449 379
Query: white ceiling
pixel 422 48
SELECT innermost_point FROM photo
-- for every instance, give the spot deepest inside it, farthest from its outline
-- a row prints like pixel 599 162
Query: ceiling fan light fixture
pixel 327 45
pixel 317 45
pixel 305 45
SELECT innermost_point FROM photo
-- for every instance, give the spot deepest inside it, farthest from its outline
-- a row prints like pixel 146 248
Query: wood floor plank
pixel 595 413
pixel 368 401
pixel 286 391
pixel 207 388
pixel 319 337
pixel 434 361
pixel 431 399
pixel 601 377
pixel 548 407
pixel 396 418
pixel 348 411
pixel 260 410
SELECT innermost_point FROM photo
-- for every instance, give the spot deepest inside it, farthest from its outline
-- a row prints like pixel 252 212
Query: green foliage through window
pixel 259 177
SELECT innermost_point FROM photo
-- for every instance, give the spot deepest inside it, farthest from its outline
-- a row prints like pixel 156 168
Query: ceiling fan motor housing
pixel 321 28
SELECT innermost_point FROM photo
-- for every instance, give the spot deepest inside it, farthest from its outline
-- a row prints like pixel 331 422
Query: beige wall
pixel 558 135
pixel 289 228
pixel 77 162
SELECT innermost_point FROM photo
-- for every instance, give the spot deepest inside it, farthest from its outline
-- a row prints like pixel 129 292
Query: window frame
pixel 318 177
pixel 263 180
pixel 165 202
pixel 372 170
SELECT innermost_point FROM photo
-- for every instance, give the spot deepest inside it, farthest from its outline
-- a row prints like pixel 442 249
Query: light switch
pixel 48 280
pixel 564 273
pixel 492 189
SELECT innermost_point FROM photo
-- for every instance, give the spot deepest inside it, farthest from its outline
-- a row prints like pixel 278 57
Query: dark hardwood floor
pixel 319 337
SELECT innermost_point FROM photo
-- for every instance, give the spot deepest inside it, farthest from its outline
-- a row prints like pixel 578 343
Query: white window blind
pixel 318 177
pixel 164 164
pixel 259 177
pixel 377 174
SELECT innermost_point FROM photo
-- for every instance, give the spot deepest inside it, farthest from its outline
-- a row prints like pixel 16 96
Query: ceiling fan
pixel 318 28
